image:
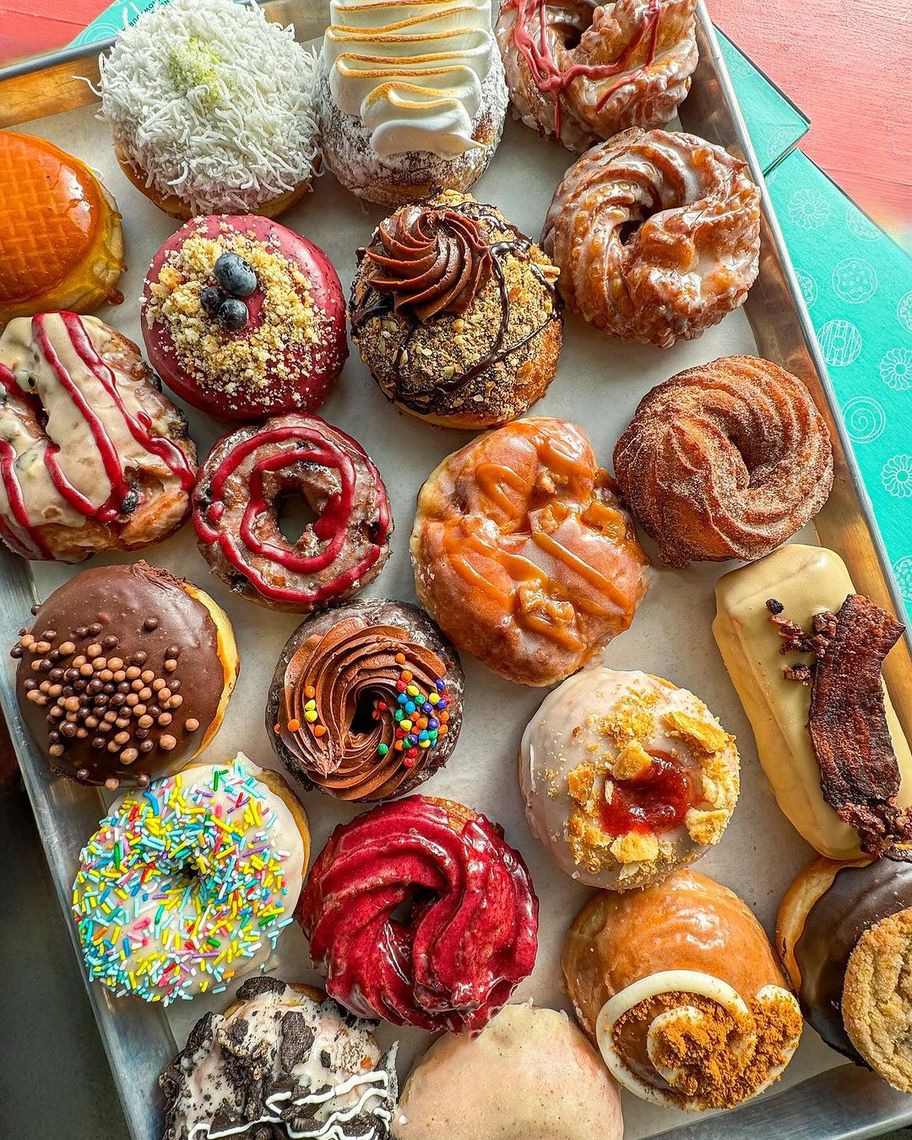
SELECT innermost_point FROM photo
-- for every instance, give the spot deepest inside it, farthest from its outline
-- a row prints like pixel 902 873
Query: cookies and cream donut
pixel 61 241
pixel 725 460
pixel 125 674
pixel 678 985
pixel 456 313
pixel 522 553
pixel 828 738
pixel 212 109
pixel 92 456
pixel 656 234
pixel 420 912
pixel 529 1073
pixel 845 935
pixel 412 96
pixel 285 1057
pixel 189 882
pixel 236 507
pixel 582 71
pixel 366 701
pixel 625 777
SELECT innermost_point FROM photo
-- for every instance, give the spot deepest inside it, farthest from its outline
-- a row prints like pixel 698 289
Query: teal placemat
pixel 857 283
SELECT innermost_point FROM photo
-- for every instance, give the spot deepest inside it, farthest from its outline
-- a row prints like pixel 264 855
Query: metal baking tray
pixel 831 1100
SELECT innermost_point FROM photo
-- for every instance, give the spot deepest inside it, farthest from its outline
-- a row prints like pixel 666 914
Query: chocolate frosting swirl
pixel 342 708
pixel 432 260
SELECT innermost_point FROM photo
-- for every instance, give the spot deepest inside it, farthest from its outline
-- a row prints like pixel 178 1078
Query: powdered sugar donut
pixel 244 318
pixel 411 98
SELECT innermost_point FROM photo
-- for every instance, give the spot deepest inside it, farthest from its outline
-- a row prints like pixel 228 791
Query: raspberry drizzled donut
pixel 581 72
pixel 235 512
pixel 472 932
pixel 92 456
pixel 657 235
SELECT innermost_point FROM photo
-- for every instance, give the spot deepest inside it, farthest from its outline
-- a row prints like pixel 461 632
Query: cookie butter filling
pixel 685 1039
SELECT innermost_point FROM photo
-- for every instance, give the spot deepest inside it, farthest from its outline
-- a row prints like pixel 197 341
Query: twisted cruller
pixel 656 234
pixel 470 935
pixel 727 460
pixel 581 72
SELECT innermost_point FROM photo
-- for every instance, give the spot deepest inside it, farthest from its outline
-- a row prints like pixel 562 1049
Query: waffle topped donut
pixel 581 72
pixel 656 234
pixel 727 460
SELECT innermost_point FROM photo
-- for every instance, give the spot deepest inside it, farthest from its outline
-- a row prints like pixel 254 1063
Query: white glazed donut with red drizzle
pixel 581 72
pixel 92 456
pixel 235 508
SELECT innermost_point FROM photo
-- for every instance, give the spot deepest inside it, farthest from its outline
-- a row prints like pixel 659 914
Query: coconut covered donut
pixel 92 456
pixel 726 460
pixel 656 234
pixel 412 98
pixel 580 71
pixel 236 504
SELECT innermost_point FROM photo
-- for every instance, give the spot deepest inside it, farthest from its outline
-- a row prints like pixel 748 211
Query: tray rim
pixel 839 1087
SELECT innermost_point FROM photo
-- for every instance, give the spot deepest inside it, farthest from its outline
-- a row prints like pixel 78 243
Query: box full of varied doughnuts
pixel 363 758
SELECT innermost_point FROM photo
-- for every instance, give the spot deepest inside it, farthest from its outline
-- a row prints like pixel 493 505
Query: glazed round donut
pixel 160 914
pixel 366 701
pixel 580 71
pixel 283 343
pixel 522 553
pixel 282 1054
pixel 235 512
pixel 656 234
pixel 92 456
pixel 726 460
pixel 472 931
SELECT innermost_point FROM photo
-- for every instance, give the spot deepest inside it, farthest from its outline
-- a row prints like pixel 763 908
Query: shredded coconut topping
pixel 209 101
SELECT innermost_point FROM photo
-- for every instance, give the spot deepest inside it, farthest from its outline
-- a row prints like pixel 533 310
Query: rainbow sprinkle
pixel 182 885
pixel 421 718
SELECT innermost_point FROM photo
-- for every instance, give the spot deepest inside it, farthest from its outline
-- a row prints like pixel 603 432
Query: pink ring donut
pixel 235 512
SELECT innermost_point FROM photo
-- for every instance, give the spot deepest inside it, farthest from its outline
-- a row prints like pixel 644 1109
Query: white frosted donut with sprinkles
pixel 188 883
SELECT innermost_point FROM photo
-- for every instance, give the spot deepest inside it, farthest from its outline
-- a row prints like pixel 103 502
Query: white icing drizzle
pixel 212 102
pixel 411 71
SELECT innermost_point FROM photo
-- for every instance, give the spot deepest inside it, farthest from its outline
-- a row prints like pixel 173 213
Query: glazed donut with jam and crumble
pixel 236 507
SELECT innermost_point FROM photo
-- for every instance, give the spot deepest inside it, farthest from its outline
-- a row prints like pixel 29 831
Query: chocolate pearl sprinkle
pixel 36 606
pixel 98 742
pixel 82 774
pixel 81 632
pixel 30 684
pixel 101 663
pixel 146 746
pixel 109 642
pixel 140 657
pixel 191 724
pixel 139 710
pixel 175 701
pixel 56 750
pixel 129 755
pixel 93 650
pixel 150 624
pixel 165 719
pixel 170 665
pixel 41 647
pixel 115 663
pixel 145 694
pixel 79 660
pixel 147 676
pixel 112 783
pixel 167 742
pixel 143 781
pixel 67 648
pixel 157 684
pixel 132 673
pixel 16 652
pixel 106 675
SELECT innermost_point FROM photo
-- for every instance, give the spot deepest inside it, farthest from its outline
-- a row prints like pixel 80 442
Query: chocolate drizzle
pixel 378 303
pixel 859 772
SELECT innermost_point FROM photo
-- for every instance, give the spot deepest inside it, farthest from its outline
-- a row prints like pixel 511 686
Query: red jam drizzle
pixel 548 77
pixel 138 426
pixel 309 445
pixel 653 802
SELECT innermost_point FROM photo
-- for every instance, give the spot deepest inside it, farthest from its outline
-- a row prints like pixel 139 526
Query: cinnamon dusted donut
pixel 657 235
pixel 726 460
pixel 580 71
pixel 678 985
pixel 366 701
pixel 522 553
pixel 236 503
pixel 471 931
pixel 456 313
pixel 92 456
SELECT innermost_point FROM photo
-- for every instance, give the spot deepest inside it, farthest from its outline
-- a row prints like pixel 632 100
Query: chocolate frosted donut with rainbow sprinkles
pixel 366 701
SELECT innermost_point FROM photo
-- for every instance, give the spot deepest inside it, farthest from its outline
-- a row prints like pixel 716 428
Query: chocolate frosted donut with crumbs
pixel 238 496
pixel 125 674
pixel 456 314
pixel 366 701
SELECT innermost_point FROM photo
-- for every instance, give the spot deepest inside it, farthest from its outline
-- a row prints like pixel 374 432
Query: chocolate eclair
pixel 366 701
pixel 125 674
pixel 844 933
pixel 456 313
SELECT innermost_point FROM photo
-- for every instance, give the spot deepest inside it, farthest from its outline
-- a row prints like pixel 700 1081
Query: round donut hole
pixel 294 515
pixel 410 910
pixel 362 721
pixel 629 229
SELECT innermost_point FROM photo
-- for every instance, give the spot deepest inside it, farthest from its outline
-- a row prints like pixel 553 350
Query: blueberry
pixel 235 275
pixel 233 314
pixel 211 299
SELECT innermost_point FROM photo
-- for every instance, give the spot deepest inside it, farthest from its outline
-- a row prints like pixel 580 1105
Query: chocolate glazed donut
pixel 366 701
pixel 235 512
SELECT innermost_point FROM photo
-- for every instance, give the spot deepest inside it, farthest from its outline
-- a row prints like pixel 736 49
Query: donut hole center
pixel 294 515
pixel 628 230
pixel 362 721
pixel 412 908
